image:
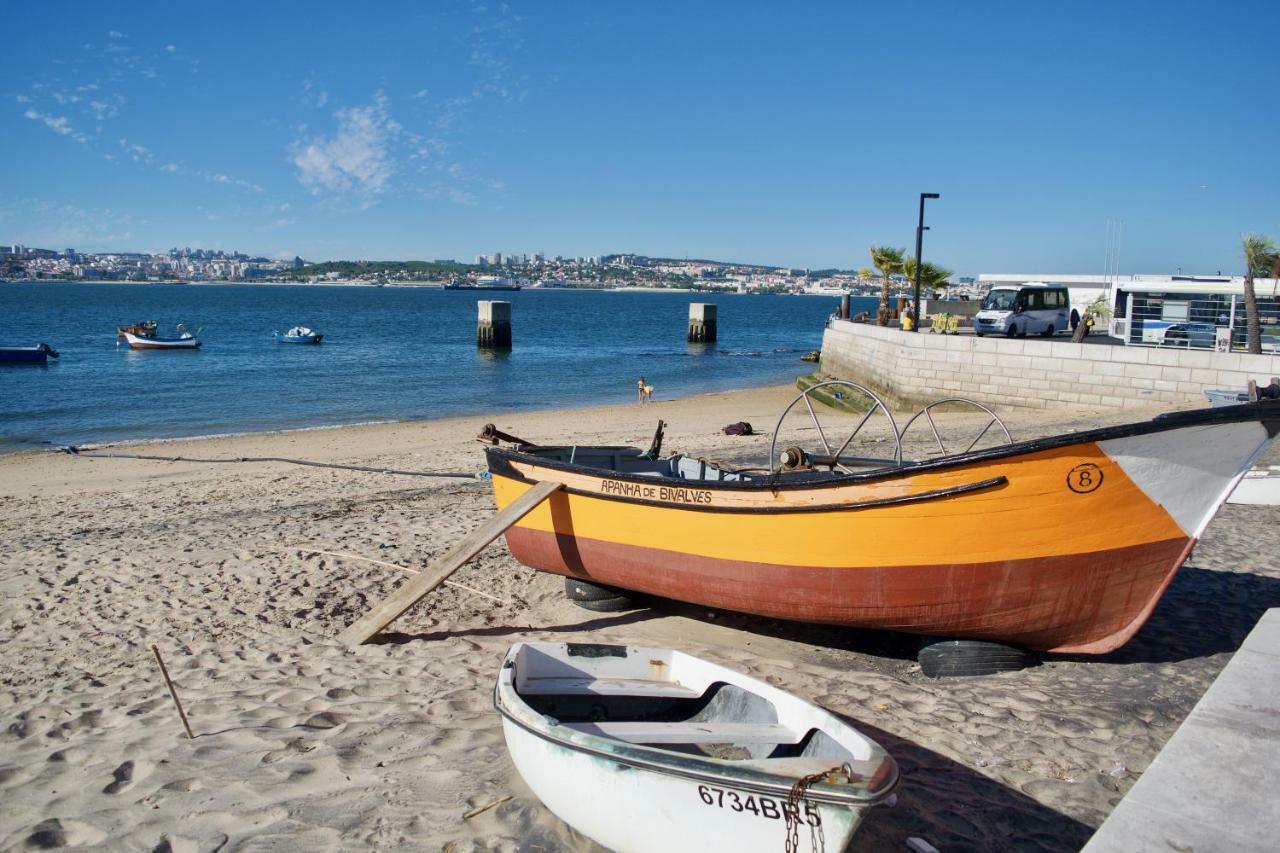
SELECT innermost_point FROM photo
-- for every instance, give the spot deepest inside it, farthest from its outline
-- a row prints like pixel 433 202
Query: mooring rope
pixel 72 450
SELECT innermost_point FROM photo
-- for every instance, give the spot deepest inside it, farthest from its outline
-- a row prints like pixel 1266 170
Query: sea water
pixel 389 353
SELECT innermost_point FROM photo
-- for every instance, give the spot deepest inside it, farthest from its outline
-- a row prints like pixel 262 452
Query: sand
pixel 302 743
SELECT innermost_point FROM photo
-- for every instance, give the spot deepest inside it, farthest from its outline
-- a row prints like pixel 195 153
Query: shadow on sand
pixel 1203 612
pixel 955 808
pixel 629 618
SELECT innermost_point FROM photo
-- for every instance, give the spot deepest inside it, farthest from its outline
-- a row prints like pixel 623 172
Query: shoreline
pixel 568 409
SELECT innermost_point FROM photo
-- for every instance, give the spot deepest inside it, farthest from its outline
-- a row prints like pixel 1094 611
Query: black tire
pixel 1048 331
pixel 958 658
pixel 1012 331
pixel 578 590
pixel 978 334
pixel 609 605
pixel 1075 319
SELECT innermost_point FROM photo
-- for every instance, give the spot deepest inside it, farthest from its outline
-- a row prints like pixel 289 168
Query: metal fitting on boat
pixel 794 459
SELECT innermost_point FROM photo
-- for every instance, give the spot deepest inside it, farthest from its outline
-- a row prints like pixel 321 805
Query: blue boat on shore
pixel 38 354
pixel 298 335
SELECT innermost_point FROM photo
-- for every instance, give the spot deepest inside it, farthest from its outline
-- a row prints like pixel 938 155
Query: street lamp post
pixel 920 229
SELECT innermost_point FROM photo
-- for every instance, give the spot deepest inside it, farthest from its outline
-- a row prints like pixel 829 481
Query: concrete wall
pixel 913 369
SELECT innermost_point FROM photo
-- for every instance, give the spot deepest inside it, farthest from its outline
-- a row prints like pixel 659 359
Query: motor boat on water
pixel 184 340
pixel 298 335
pixel 38 354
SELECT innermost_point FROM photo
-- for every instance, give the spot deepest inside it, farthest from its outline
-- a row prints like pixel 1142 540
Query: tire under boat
pixel 1062 544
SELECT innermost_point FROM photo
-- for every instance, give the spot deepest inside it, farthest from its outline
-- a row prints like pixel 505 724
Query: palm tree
pixel 864 275
pixel 1259 257
pixel 889 261
pixel 932 276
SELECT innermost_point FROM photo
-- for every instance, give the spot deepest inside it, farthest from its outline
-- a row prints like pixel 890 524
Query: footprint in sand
pixel 54 832
pixel 128 773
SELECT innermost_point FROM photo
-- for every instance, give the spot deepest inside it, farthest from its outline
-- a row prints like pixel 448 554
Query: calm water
pixel 389 353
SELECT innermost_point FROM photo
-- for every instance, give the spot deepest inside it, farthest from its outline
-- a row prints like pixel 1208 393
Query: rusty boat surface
pixel 1062 543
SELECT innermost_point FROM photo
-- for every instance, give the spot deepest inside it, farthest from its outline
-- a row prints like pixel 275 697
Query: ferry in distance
pixel 486 282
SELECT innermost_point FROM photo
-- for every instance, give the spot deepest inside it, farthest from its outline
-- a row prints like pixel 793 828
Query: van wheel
pixel 1012 331
pixel 978 334
pixel 1048 331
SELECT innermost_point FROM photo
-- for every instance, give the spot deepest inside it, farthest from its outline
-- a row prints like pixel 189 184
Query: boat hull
pixel 300 339
pixel 649 794
pixel 633 810
pixel 26 355
pixel 136 342
pixel 1067 548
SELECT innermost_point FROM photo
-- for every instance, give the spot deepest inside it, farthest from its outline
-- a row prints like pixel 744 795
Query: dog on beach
pixel 644 391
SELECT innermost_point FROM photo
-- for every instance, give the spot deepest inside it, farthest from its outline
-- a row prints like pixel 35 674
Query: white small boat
pixel 644 749
pixel 184 341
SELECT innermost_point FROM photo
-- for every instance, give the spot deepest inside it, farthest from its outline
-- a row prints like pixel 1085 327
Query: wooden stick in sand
pixel 485 808
pixel 412 590
pixel 172 692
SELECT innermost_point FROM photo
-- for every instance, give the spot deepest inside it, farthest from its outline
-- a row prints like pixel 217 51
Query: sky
pixel 782 134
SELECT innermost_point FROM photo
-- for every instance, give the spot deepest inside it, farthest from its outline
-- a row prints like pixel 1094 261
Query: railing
pixel 1207 321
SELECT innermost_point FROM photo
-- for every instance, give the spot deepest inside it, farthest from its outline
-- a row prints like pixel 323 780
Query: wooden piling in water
pixel 702 322
pixel 493 324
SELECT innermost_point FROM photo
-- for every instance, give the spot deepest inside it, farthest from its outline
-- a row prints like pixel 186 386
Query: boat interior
pixel 633 461
pixel 721 720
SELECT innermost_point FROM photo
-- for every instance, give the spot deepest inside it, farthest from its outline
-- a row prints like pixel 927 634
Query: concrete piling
pixel 702 322
pixel 493 324
pixel 844 307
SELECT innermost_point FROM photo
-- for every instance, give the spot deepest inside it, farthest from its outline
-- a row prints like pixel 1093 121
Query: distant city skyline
pixel 734 132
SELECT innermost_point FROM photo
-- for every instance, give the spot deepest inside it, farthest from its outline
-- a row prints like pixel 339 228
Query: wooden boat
pixel 1063 543
pixel 38 354
pixel 298 335
pixel 184 341
pixel 644 749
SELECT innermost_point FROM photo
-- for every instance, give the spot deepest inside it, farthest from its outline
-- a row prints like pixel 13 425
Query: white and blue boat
pixel 298 335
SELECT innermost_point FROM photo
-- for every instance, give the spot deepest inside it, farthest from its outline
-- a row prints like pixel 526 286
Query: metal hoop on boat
pixel 833 458
pixel 995 419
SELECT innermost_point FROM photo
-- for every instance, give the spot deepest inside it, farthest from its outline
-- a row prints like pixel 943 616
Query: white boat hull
pixel 608 738
pixel 632 810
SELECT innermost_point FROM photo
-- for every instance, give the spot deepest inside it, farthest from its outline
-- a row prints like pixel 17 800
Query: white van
pixel 1021 309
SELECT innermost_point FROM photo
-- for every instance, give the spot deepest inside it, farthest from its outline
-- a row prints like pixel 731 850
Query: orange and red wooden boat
pixel 1063 543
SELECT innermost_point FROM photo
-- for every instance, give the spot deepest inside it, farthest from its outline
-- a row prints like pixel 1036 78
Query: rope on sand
pixel 72 450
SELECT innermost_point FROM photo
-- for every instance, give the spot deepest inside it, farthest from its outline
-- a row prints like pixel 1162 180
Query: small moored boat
pixel 645 749
pixel 184 340
pixel 38 354
pixel 298 335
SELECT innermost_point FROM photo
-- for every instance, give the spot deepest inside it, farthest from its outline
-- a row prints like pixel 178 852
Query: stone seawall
pixel 913 369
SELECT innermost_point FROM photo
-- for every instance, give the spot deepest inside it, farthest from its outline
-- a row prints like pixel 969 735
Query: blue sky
pixel 785 134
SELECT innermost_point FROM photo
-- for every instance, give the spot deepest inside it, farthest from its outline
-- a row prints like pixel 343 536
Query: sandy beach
pixel 302 743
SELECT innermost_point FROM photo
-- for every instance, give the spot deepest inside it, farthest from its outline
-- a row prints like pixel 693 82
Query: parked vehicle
pixel 1201 335
pixel 1022 309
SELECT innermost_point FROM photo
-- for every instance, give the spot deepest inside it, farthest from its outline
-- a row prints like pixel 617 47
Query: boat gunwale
pixel 716 770
pixel 1266 413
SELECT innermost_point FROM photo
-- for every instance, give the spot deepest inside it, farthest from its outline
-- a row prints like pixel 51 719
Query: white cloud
pixel 169 167
pixel 169 48
pixel 356 159
pixel 103 110
pixel 116 34
pixel 58 124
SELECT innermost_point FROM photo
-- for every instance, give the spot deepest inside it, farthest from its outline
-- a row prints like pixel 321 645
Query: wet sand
pixel 302 743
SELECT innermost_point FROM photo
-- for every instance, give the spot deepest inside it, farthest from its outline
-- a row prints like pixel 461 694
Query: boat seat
pixel 697 732
pixel 606 687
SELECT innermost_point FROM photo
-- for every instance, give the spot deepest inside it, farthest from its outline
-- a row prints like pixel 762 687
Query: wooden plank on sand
pixel 416 587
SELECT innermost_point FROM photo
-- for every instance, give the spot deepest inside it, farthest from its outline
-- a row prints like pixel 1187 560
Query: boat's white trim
pixel 1190 471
